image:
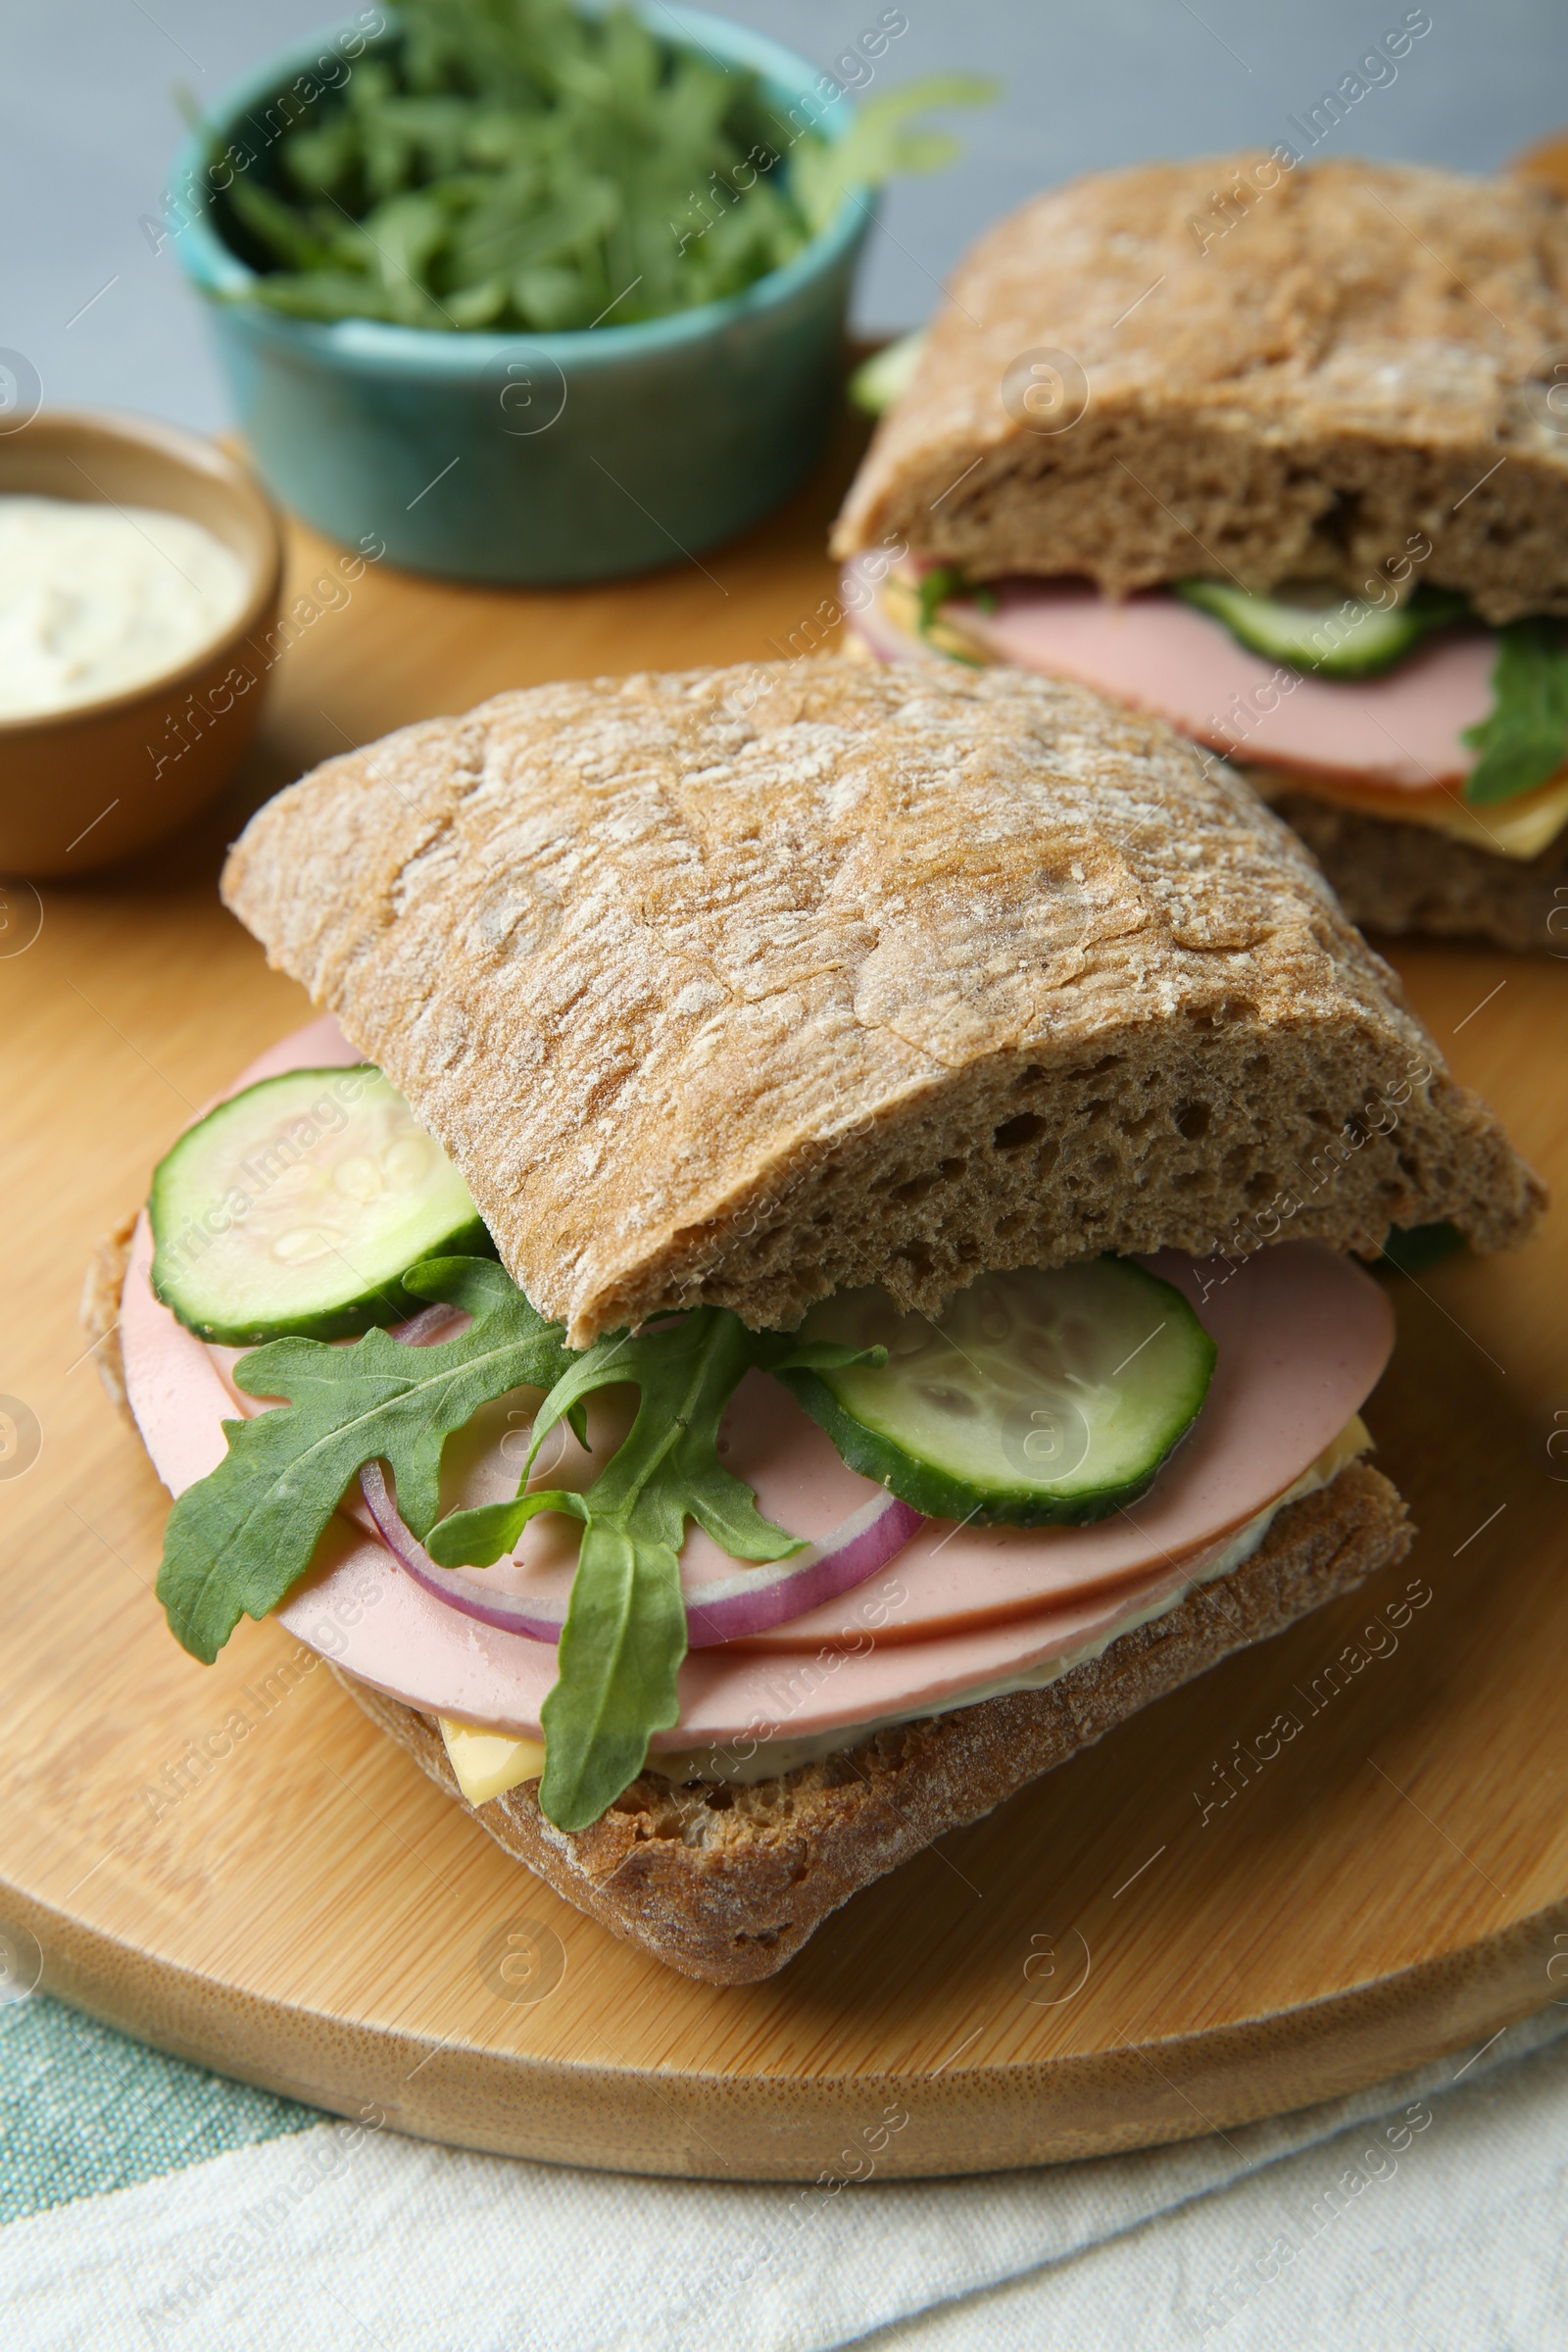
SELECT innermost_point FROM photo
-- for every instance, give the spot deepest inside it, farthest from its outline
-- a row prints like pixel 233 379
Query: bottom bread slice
pixel 1392 877
pixel 725 1882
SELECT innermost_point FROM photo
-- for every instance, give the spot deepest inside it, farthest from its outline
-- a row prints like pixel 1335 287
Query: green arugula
pixel 1411 1249
pixel 239 1538
pixel 887 375
pixel 506 166
pixel 625 1632
pixel 883 142
pixel 1524 738
pixel 945 583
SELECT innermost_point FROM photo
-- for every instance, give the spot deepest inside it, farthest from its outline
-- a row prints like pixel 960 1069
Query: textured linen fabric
pixel 1336 2225
pixel 83 2110
pixel 1462 2248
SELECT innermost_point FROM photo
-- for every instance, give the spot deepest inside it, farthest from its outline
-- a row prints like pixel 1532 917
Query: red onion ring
pixel 752 1601
pixel 431 1325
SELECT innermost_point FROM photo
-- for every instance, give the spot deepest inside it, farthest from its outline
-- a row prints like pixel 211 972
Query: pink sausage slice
pixel 319 1046
pixel 359 1610
pixel 358 1607
pixel 1303 1336
pixel 1158 655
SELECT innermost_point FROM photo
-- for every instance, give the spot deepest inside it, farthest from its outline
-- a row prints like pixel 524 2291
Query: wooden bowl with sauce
pixel 85 783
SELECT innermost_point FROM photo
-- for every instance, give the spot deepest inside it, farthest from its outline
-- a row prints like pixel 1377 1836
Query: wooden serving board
pixel 1196 1924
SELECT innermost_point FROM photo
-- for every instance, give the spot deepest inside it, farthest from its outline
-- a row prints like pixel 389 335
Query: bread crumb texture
pixel 726 1884
pixel 1398 878
pixel 1281 374
pixel 99 1311
pixel 739 986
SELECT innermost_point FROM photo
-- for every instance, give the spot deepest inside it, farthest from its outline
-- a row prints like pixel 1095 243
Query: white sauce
pixel 96 599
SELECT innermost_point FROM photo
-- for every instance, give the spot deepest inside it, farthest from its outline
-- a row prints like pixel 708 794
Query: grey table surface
pixel 88 124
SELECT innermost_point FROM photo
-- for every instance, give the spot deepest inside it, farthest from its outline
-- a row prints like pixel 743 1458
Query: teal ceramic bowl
pixel 546 457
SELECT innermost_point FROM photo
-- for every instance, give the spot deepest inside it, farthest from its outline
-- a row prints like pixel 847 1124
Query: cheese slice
pixel 944 633
pixel 1519 828
pixel 487 1764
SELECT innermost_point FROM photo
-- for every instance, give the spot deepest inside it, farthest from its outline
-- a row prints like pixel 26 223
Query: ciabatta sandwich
pixel 921 1121
pixel 1278 452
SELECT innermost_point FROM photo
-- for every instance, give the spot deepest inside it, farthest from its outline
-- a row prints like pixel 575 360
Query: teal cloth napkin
pixel 83 2111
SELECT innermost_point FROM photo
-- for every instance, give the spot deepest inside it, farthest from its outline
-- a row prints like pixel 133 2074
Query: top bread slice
pixel 739 986
pixel 1237 368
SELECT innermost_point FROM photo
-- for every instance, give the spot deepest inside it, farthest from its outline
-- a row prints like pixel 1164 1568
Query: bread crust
pixel 741 986
pixel 1399 878
pixel 99 1310
pixel 1304 380
pixel 726 1884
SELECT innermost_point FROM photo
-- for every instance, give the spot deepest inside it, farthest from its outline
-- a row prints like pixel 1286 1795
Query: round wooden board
pixel 1150 1944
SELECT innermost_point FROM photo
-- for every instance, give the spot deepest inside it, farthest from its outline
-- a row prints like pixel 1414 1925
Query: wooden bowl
pixel 84 786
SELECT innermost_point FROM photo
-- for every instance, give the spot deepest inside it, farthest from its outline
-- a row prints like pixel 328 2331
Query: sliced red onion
pixel 756 1600
pixel 752 1601
pixel 431 1324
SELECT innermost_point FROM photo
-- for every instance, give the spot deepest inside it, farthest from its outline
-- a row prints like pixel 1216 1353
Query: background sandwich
pixel 772 1020
pixel 1279 452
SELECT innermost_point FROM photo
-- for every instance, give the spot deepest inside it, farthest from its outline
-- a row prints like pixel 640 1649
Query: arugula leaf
pixel 1524 738
pixel 943 584
pixel 555 162
pixel 239 1538
pixel 882 141
pixel 1411 1249
pixel 625 1632
pixel 277 224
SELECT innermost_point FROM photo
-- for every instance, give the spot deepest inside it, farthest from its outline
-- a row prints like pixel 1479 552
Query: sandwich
pixel 1278 453
pixel 804 1270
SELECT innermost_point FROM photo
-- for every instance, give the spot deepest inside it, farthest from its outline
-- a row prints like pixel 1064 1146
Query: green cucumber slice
pixel 1346 639
pixel 887 375
pixel 294 1208
pixel 1038 1398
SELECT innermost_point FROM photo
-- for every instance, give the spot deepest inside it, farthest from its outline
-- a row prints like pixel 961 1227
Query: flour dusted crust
pixel 739 986
pixel 1291 398
pixel 726 1884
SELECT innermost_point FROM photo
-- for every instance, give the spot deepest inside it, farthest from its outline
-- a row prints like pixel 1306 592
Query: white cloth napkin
pixel 1431 2211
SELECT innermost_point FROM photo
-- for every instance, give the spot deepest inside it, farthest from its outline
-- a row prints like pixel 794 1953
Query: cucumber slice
pixel 887 375
pixel 1039 1399
pixel 1345 639
pixel 295 1207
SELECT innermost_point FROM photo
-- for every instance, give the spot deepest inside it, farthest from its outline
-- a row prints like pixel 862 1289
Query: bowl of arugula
pixel 536 293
